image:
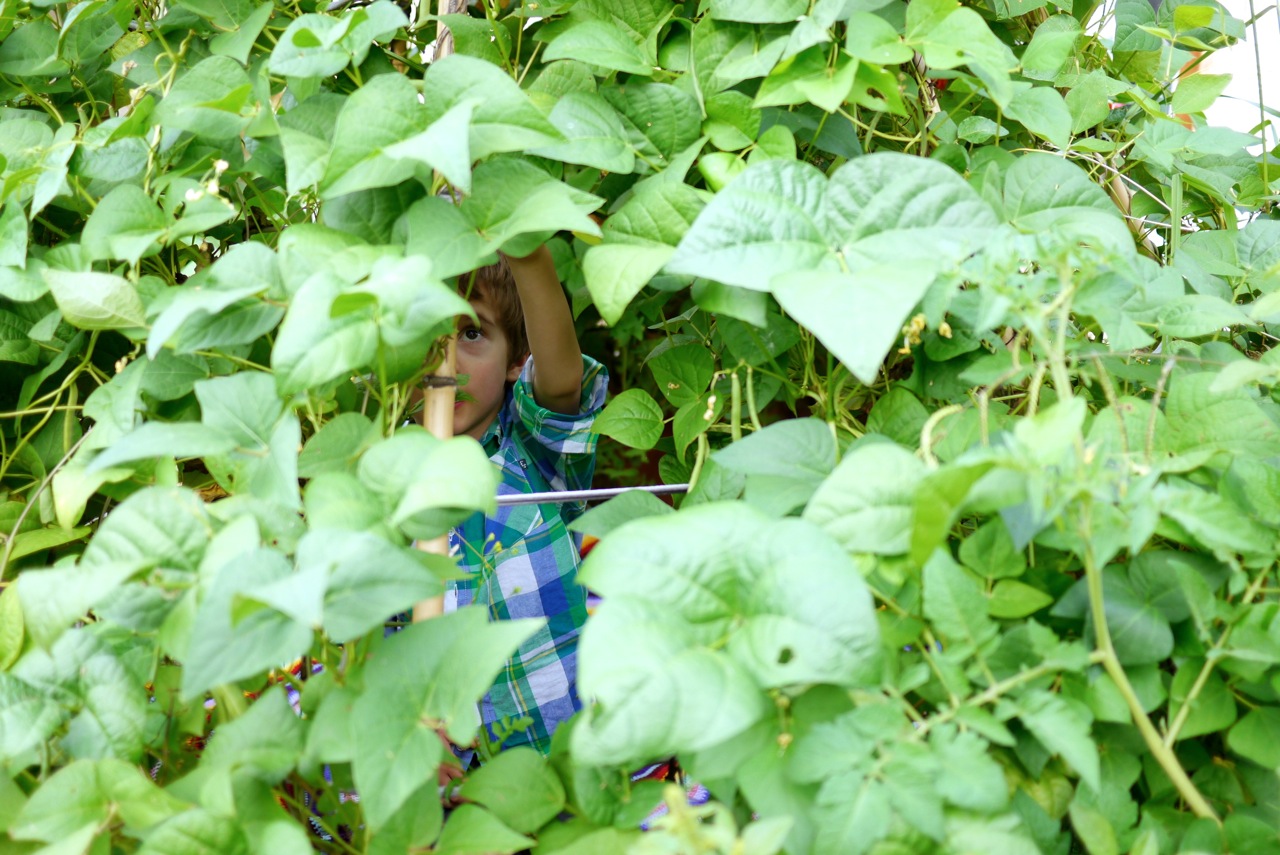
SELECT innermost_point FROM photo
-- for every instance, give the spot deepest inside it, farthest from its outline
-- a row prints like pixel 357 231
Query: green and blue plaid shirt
pixel 523 561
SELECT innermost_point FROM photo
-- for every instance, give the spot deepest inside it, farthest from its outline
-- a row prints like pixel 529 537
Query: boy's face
pixel 484 355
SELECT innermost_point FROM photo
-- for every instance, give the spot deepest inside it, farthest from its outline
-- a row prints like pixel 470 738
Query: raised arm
pixel 553 341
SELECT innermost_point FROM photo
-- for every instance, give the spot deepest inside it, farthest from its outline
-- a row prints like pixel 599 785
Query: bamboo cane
pixel 441 387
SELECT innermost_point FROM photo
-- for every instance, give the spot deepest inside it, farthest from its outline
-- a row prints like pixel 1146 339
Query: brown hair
pixel 495 285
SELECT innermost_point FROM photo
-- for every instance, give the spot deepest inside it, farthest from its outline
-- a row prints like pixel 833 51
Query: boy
pixel 533 417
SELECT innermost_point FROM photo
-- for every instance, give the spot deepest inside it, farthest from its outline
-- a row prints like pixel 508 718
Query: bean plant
pixel 957 316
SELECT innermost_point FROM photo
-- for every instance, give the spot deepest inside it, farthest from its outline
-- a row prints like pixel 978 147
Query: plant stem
pixel 1162 753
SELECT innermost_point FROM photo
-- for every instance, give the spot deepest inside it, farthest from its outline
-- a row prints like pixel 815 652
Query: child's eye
pixel 470 334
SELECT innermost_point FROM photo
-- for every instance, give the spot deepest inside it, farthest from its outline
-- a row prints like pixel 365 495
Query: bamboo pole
pixel 441 387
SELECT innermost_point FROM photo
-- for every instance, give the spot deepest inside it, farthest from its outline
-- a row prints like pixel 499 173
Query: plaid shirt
pixel 523 560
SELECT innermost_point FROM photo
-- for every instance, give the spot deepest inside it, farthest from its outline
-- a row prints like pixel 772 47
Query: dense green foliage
pixel 957 316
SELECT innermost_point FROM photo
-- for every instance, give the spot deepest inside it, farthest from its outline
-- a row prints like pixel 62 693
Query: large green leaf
pixel 96 301
pixel 519 787
pixel 1043 194
pixel 454 481
pixel 126 224
pixel 266 435
pixel 955 605
pixel 91 791
pixel 225 649
pixel 711 628
pixel 600 44
pixel 632 418
pixel 504 119
pixel 384 111
pixel 247 269
pixel 163 526
pixel 512 198
pixel 758 11
pixel 52 600
pixel 593 132
pixel 313 347
pixel 786 217
pixel 211 100
pixel 867 503
pixel 425 677
pixel 858 316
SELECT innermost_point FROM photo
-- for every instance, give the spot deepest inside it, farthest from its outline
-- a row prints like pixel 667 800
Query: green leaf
pixel 513 198
pixel 223 14
pixel 239 43
pixel 759 11
pixel 990 552
pixel 968 776
pixel 949 36
pixel 265 742
pixel 12 628
pixel 31 51
pixel 442 146
pixel 88 791
pixel 1197 92
pixel 661 121
pixel 430 674
pixel 604 518
pixel 599 44
pixel 783 217
pixel 382 112
pixel 1257 737
pixel 857 316
pixel 900 416
pixel 709 628
pixel 44 539
pixel 683 373
pixel 955 605
pixel 472 830
pixel 1013 599
pixel 335 446
pixel 211 100
pixel 1042 111
pixel 454 481
pixel 632 418
pixel 126 225
pixel 1052 44
pixel 162 526
pixel 593 131
pixel 159 439
pixel 862 818
pixel 52 600
pixel 873 39
pixel 223 650
pixel 1063 728
pixel 867 503
pixel 732 122
pixel 264 462
pixel 519 787
pixel 247 269
pixel 1212 709
pixel 96 301
pixel 1047 194
pixel 800 449
pixel 615 273
pixel 369 580
pixel 1194 315
pixel 313 347
pixel 504 119
pixel 196 832
pixel 1203 422
pixel 309 48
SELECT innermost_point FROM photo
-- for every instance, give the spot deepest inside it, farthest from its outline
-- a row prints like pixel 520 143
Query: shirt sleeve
pixel 564 445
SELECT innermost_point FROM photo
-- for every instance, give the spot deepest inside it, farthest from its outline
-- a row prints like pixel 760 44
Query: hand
pixel 449 776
